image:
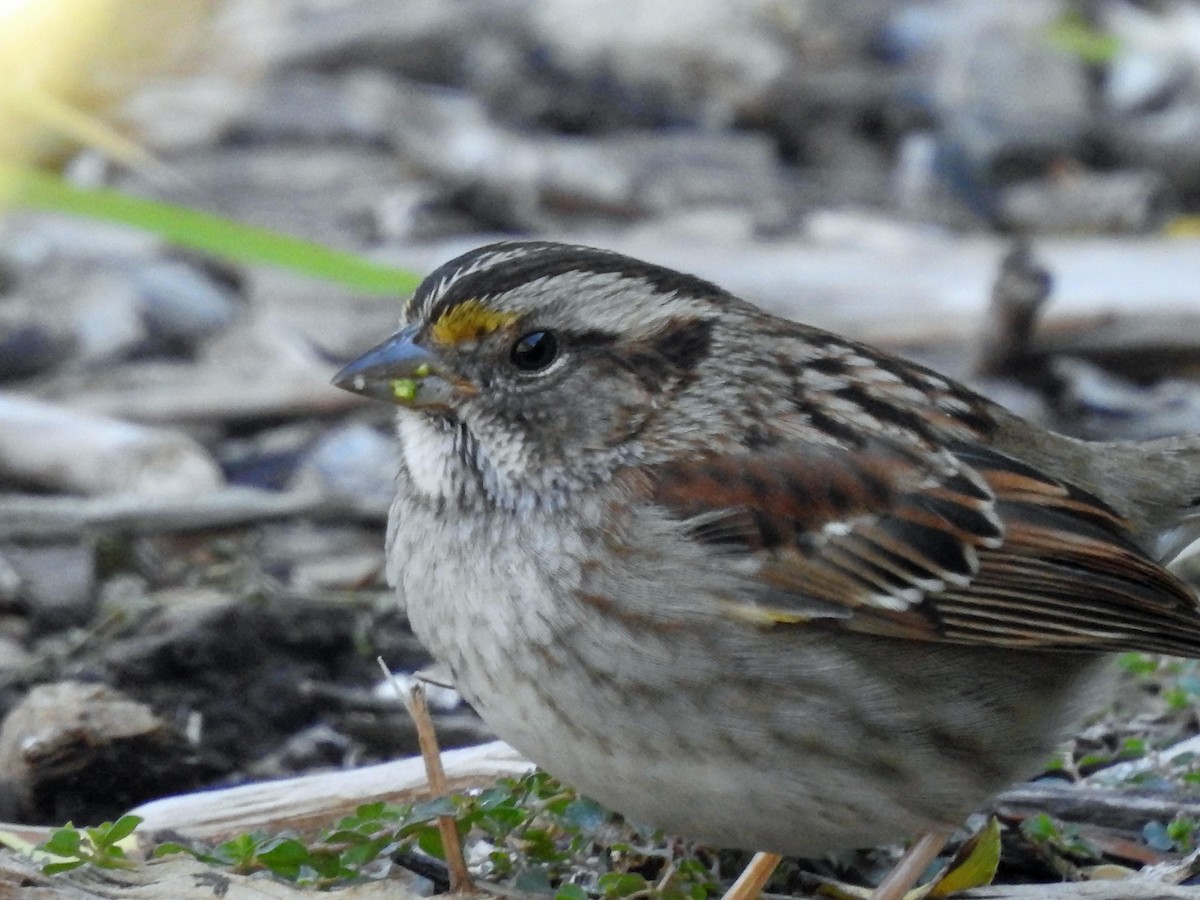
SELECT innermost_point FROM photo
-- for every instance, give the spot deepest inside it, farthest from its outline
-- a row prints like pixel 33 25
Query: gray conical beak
pixel 399 371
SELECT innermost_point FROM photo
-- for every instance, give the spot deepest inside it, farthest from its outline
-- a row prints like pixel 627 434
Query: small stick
pixel 418 708
pixel 750 883
pixel 912 865
pixel 1021 289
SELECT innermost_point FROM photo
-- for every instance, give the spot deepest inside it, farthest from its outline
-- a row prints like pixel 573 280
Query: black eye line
pixel 590 342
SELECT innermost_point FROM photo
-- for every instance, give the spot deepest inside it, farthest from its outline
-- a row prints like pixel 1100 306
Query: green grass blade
pixel 25 187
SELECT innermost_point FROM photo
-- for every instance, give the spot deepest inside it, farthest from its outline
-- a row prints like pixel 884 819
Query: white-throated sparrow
pixel 744 579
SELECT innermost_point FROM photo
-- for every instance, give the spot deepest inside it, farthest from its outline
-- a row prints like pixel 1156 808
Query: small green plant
pixel 1177 680
pixel 545 838
pixel 530 833
pixel 1138 663
pixel 1061 837
pixel 98 846
pixel 358 847
pixel 1177 836
pixel 1182 832
pixel 1131 748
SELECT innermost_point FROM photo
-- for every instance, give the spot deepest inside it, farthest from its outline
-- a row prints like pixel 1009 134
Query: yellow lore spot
pixel 469 321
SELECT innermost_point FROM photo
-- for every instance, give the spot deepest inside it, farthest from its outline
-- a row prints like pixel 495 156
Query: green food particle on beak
pixel 422 370
pixel 404 389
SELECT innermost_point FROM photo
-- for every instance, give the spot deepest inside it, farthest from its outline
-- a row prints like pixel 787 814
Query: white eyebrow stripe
pixel 484 261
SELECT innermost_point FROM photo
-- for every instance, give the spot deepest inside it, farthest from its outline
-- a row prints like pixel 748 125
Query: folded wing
pixel 964 545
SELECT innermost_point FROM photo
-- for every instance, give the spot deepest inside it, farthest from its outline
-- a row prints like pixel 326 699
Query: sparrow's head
pixel 551 364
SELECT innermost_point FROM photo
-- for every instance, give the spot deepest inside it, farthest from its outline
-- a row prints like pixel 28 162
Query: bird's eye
pixel 535 351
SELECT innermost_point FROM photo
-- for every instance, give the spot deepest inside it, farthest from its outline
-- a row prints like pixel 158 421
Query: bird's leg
pixel 750 883
pixel 899 881
pixel 912 864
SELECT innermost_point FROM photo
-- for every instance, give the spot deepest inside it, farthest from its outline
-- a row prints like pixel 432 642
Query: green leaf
pixel 974 865
pixel 346 837
pixel 56 868
pixel 585 814
pixel 493 798
pixel 1041 828
pixel 1177 699
pixel 502 863
pixel 1138 663
pixel 501 820
pixel 570 891
pixel 241 850
pixel 370 811
pixel 64 842
pixel 532 881
pixel 328 864
pixel 430 841
pixel 620 884
pixel 285 858
pixel 122 828
pixel 27 187
pixel 361 854
pixel 171 847
pixel 428 810
pixel 1183 832
pixel 1133 747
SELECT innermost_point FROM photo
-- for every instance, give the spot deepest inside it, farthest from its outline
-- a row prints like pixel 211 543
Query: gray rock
pixel 424 39
pixel 10 581
pixel 320 107
pixel 14 660
pixel 1122 202
pixel 703 63
pixel 31 347
pixel 1005 98
pixel 177 115
pixel 180 303
pixel 57 582
pixel 1002 86
pixel 1164 136
pixel 1107 407
pixel 89 748
pixel 523 181
pixel 353 461
pixel 108 317
pixel 318 192
pixel 1151 89
pixel 319 558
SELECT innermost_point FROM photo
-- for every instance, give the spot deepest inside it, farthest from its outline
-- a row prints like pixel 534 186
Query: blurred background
pixel 190 518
